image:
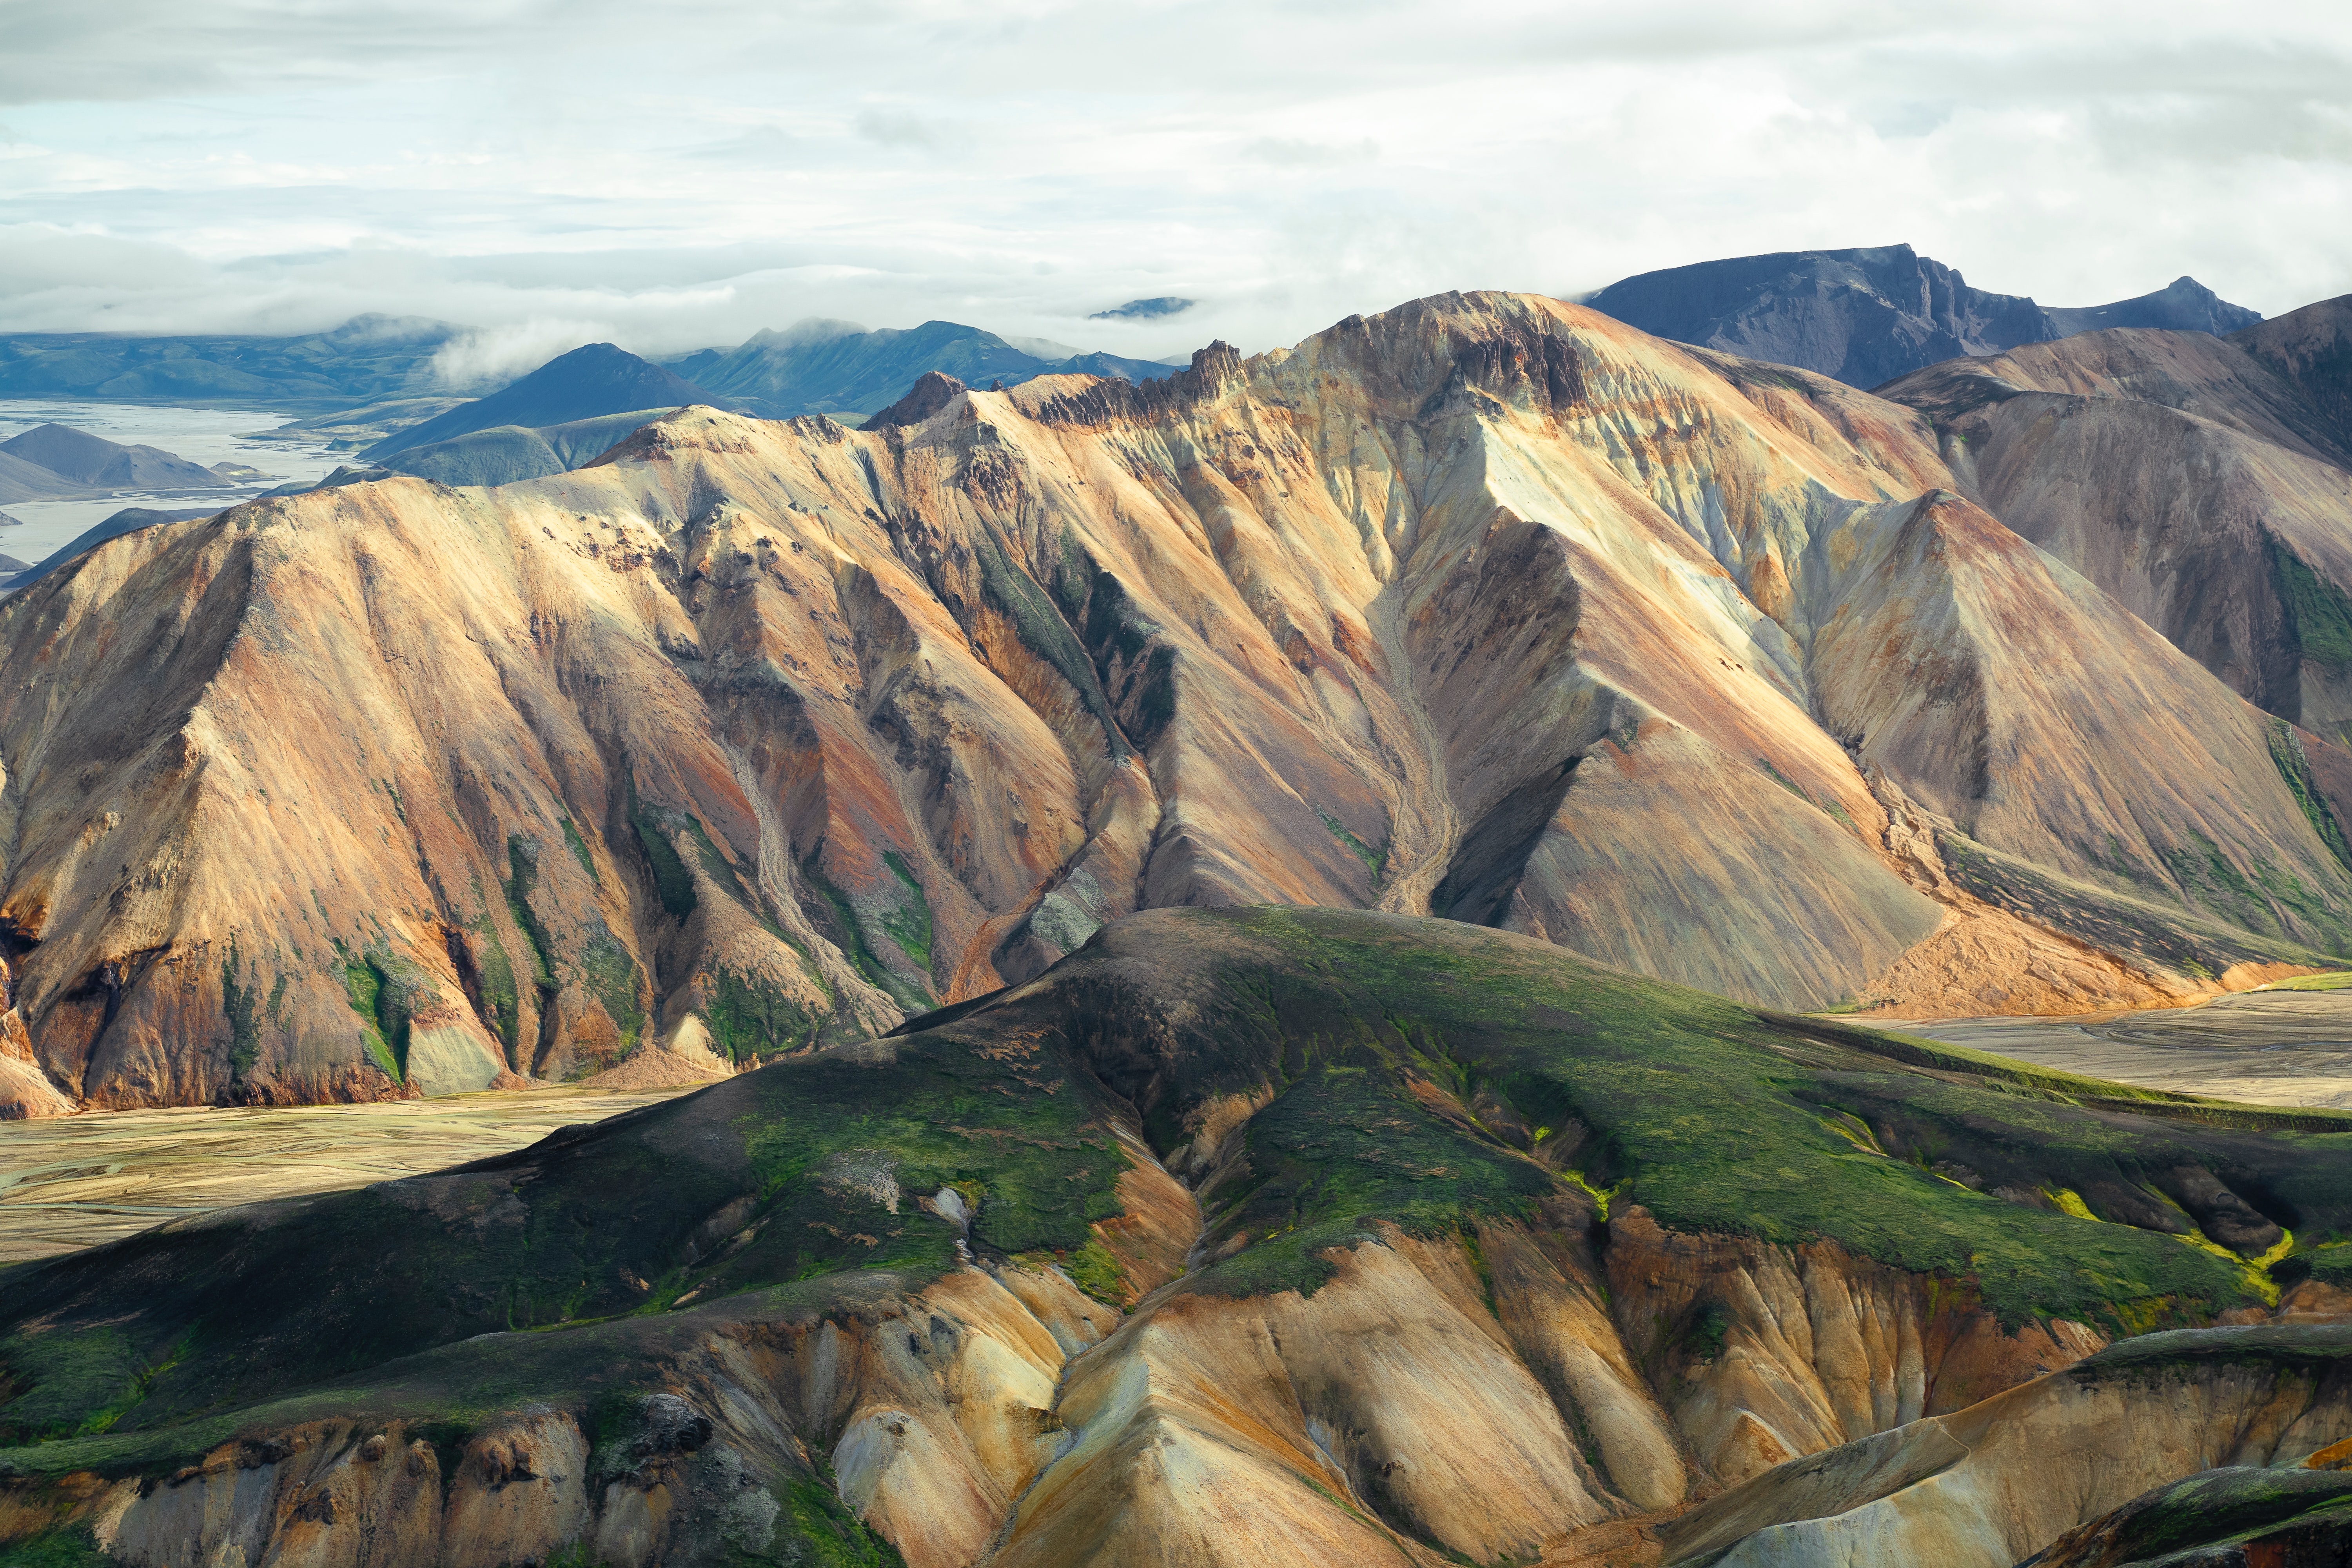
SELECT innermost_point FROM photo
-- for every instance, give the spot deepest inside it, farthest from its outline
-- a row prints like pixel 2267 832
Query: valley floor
pixel 78 1181
pixel 2272 1048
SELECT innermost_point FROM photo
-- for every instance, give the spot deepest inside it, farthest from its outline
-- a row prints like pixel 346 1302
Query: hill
pixel 588 383
pixel 838 367
pixel 97 463
pixel 758 734
pixel 1397 1236
pixel 1866 316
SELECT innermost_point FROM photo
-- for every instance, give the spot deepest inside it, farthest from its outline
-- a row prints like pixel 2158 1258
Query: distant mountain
pixel 366 358
pixel 1144 309
pixel 508 454
pixel 97 463
pixel 7 521
pixel 586 383
pixel 1868 316
pixel 52 462
pixel 839 367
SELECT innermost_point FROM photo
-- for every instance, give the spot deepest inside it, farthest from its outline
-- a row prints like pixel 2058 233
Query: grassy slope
pixel 1423 1072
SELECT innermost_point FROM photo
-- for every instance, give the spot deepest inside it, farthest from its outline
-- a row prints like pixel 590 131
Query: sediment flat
pixel 73 1182
pixel 2271 1048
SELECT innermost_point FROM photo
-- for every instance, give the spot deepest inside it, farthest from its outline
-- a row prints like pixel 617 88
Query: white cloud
pixel 544 168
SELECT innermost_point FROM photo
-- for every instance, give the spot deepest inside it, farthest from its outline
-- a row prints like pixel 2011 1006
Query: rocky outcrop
pixel 1997 1483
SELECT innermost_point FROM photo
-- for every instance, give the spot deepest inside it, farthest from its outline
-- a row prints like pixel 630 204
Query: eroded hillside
pixel 757 735
pixel 1238 1236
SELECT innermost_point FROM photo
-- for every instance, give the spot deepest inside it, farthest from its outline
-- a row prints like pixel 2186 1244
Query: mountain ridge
pixel 757 735
pixel 1871 314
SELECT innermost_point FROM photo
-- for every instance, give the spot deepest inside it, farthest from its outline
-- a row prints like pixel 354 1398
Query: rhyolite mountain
pixel 751 735
pixel 1868 315
pixel 2205 482
pixel 1239 1236
pixel 589 382
pixel 839 367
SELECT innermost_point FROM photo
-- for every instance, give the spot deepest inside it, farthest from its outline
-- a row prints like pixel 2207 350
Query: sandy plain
pixel 72 1182
pixel 2271 1048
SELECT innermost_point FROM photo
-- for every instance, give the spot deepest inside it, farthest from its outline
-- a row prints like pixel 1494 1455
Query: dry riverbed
pixel 77 1181
pixel 2272 1048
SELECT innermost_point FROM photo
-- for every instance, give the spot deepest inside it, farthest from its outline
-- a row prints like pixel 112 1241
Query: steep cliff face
pixel 1239 1235
pixel 754 736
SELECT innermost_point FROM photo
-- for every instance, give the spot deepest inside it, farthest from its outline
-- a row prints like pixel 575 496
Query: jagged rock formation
pixel 590 382
pixel 1869 315
pixel 1241 1235
pixel 761 733
pixel 2204 482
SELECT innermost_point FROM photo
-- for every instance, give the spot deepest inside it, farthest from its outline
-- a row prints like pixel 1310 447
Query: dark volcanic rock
pixel 1866 316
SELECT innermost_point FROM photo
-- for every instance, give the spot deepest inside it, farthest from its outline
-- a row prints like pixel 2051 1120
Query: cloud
pixel 535 169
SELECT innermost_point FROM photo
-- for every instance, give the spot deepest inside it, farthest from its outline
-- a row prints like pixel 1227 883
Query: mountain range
pixel 54 462
pixel 839 367
pixel 1274 909
pixel 1866 316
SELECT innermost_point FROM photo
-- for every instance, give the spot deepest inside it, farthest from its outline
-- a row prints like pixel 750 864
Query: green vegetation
pixel 73 1548
pixel 827 1534
pixel 501 1001
pixel 380 994
pixel 1093 1270
pixel 909 925
pixel 672 882
pixel 611 977
pixel 1376 861
pixel 522 881
pixel 240 1006
pixel 2334 981
pixel 579 847
pixel 1714 1117
pixel 2294 768
pixel 749 1016
pixel 2316 610
pixel 848 934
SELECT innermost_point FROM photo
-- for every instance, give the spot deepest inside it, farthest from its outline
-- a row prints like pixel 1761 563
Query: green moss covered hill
pixel 1422 1072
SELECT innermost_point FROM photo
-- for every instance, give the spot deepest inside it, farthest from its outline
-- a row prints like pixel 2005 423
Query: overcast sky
pixel 671 175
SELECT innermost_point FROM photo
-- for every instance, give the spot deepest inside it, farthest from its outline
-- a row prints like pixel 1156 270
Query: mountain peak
pixel 591 381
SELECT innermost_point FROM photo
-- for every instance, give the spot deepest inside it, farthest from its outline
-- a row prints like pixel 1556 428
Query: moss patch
pixel 750 1016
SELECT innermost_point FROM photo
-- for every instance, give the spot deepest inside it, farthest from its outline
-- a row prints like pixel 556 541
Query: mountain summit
pixel 585 383
pixel 1866 316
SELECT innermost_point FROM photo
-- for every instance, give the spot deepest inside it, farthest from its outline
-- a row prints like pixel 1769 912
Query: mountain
pixel 366 358
pixel 508 454
pixel 839 367
pixel 96 463
pixel 2204 482
pixel 749 735
pixel 129 519
pixel 1240 1236
pixel 589 382
pixel 1868 316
